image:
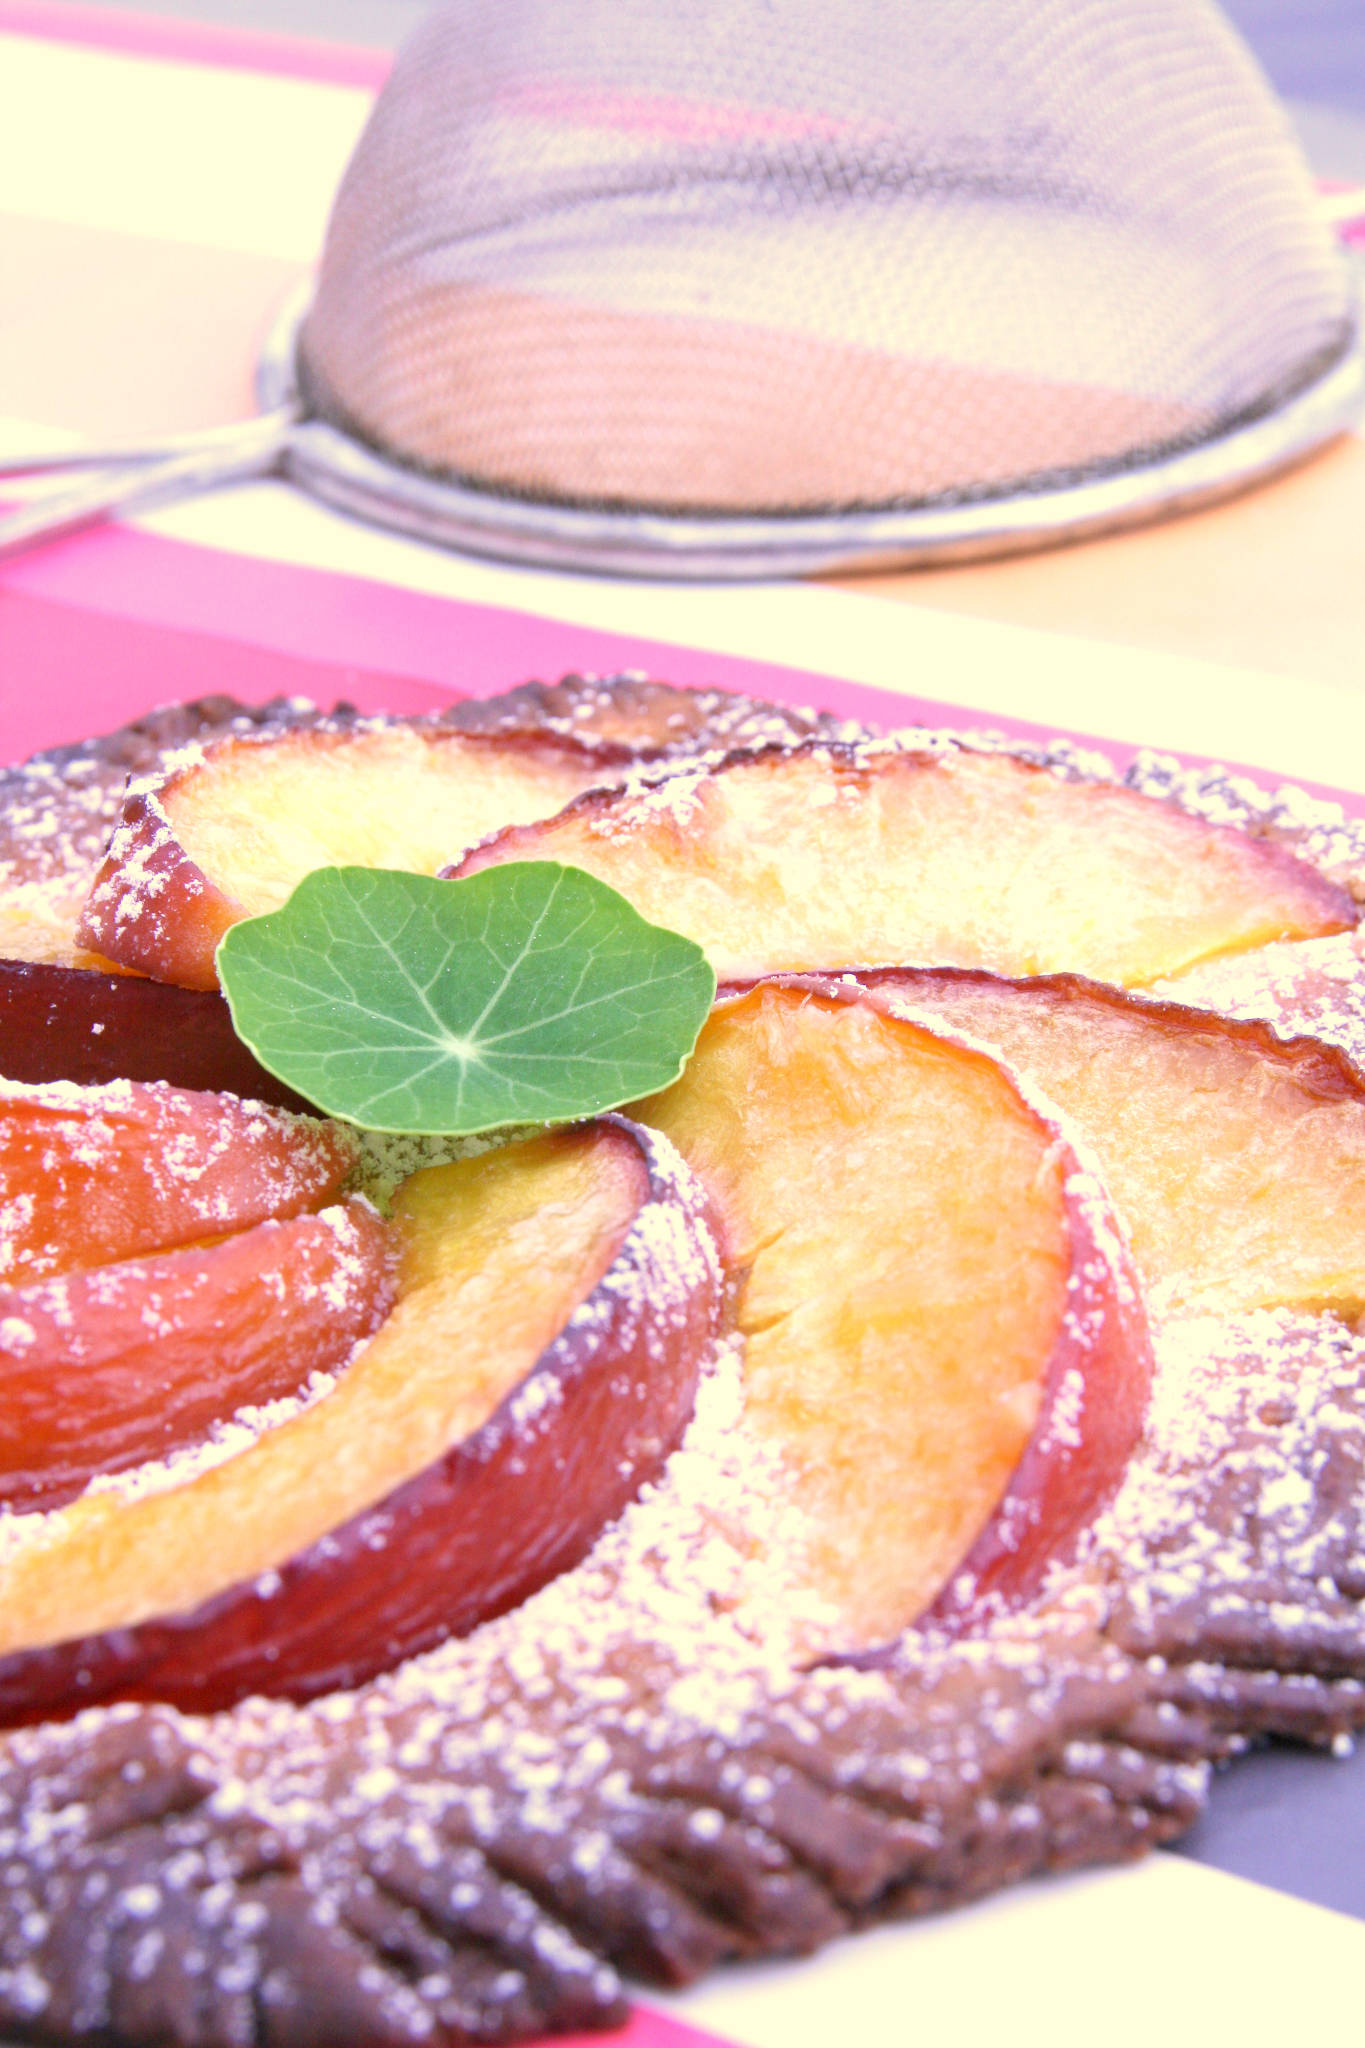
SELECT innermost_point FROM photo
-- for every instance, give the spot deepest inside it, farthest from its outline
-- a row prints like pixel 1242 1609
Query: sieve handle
pixel 136 479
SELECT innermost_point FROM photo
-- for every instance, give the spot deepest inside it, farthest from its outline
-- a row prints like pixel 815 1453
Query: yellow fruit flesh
pixel 808 863
pixel 899 1214
pixel 1241 1185
pixel 256 819
pixel 466 1330
pixel 38 924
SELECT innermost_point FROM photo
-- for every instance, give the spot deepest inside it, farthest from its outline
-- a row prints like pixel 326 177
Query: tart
pixel 973 1331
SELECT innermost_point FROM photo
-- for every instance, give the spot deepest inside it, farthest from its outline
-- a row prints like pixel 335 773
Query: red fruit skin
pixel 480 1530
pixel 76 1024
pixel 1095 1395
pixel 1095 1391
pixel 107 1369
pixel 181 914
pixel 95 1177
pixel 1094 1410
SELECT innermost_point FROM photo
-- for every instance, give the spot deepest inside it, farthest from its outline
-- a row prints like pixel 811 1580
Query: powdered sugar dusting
pixel 130 1166
pixel 1314 986
pixel 57 812
pixel 637 1761
pixel 1263 1413
pixel 226 1439
pixel 1317 830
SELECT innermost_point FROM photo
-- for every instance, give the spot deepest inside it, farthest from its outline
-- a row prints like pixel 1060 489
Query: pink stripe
pixel 98 628
pixel 382 644
pixel 675 115
pixel 66 673
pixel 349 625
pixel 1352 228
pixel 85 670
pixel 195 42
pixel 646 2028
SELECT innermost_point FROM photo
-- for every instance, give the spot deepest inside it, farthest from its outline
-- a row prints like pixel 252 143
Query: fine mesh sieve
pixel 770 284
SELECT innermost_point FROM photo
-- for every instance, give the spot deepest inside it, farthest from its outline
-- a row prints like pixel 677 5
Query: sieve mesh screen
pixel 779 257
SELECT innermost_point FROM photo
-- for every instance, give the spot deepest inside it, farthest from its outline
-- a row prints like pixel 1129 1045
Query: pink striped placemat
pixel 96 629
pixel 195 42
pixel 646 2028
pixel 1267 582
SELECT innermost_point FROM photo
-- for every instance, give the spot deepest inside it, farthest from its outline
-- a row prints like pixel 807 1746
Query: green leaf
pixel 529 993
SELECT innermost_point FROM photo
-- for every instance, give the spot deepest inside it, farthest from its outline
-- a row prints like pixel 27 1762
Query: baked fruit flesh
pixel 109 1367
pixel 825 856
pixel 926 1273
pixel 63 1015
pixel 472 1449
pixel 1024 1484
pixel 1235 1157
pixel 58 809
pixel 161 1268
pixel 98 1174
pixel 67 1013
pixel 229 832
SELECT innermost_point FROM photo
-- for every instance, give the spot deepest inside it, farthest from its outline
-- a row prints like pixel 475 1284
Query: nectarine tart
pixel 902 1452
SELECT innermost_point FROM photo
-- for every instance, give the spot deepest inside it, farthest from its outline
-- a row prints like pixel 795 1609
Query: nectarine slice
pixel 78 1024
pixel 230 833
pixel 1235 1159
pixel 472 1450
pixel 122 1365
pixel 65 1016
pixel 931 1288
pixel 93 1175
pixel 58 808
pixel 1316 987
pixel 819 857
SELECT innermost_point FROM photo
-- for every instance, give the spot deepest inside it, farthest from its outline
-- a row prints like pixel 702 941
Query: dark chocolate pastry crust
pixel 620 1778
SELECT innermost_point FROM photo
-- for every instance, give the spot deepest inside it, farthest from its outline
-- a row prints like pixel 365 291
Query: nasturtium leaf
pixel 529 993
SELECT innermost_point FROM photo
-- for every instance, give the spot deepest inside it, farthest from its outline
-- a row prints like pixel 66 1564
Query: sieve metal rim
pixel 354 478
